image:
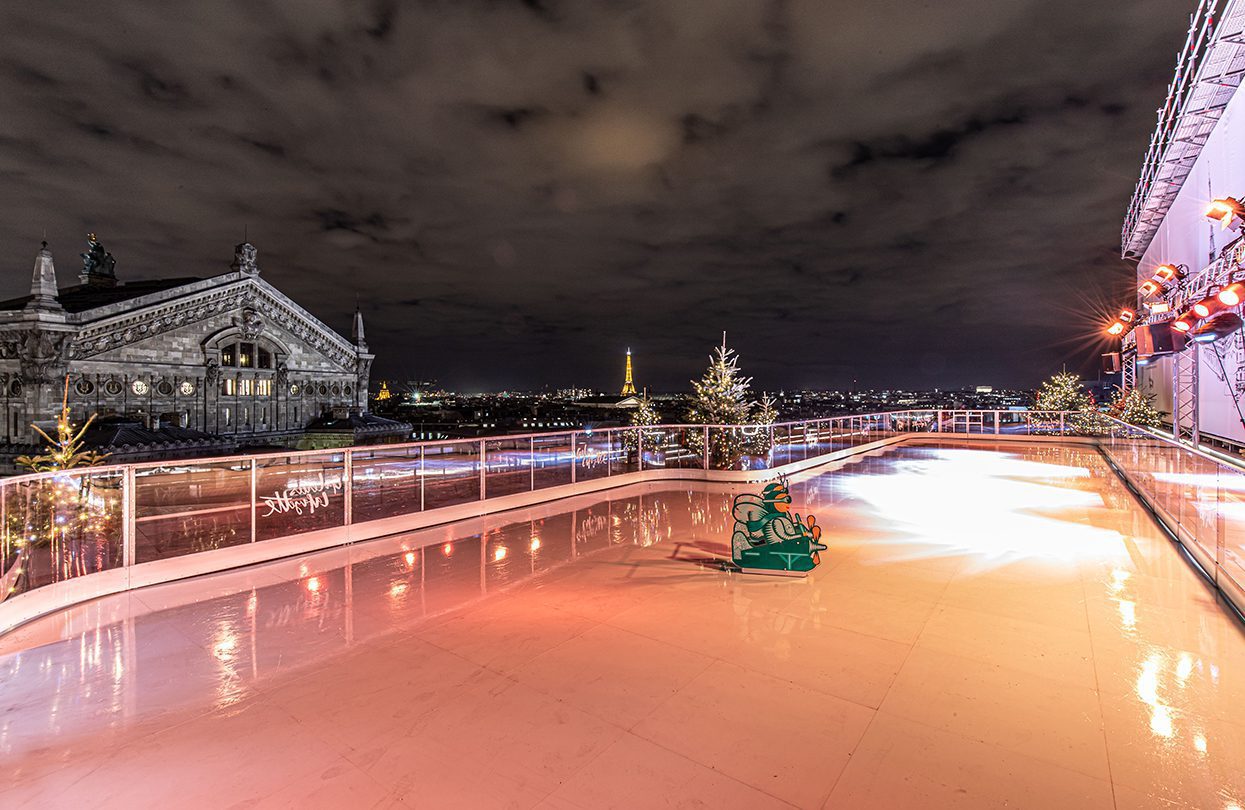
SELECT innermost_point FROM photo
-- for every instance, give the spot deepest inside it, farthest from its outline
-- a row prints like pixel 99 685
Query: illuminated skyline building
pixel 628 389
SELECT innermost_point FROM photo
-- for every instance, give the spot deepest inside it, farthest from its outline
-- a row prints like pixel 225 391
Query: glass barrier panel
pixel 782 451
pixel 592 455
pixel 59 527
pixel 553 460
pixel 624 451
pixel 386 483
pixel 507 466
pixel 189 506
pixel 297 494
pixel 451 474
pixel 1231 550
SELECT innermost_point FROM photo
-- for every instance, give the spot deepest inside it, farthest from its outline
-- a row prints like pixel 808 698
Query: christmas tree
pixel 763 417
pixel 1135 408
pixel 645 416
pixel 65 451
pixel 1063 392
pixel 65 525
pixel 720 397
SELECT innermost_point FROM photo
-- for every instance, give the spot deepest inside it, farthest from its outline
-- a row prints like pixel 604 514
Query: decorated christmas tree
pixel 764 415
pixel 60 526
pixel 1063 392
pixel 720 397
pixel 644 416
pixel 1135 408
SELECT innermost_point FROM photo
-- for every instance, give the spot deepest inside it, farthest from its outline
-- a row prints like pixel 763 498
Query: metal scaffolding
pixel 1208 70
pixel 1185 419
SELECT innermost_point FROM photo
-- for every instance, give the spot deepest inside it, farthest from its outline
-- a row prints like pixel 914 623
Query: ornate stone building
pixel 228 355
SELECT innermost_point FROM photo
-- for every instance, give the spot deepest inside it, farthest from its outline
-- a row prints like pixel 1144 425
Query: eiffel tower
pixel 628 389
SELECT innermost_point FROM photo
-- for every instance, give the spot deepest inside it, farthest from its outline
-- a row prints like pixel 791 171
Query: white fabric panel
pixel 1187 237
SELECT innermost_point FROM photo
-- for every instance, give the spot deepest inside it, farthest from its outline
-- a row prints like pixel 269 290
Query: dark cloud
pixel 516 190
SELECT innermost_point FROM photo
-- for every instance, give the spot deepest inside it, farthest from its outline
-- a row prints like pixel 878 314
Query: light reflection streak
pixel 927 498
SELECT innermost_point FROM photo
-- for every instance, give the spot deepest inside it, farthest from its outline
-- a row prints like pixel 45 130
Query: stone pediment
pixel 150 320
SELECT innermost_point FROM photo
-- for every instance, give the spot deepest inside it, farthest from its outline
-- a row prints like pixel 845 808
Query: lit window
pixel 227 416
pixel 246 387
pixel 229 356
pixel 246 355
pixel 263 387
pixel 229 387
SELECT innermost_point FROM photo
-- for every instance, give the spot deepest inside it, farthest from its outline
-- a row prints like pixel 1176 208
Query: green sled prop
pixel 769 539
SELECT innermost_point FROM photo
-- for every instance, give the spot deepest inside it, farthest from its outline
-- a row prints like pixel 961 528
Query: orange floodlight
pixel 1115 328
pixel 1229 212
pixel 1127 315
pixel 1165 273
pixel 1231 295
pixel 1148 288
pixel 1182 324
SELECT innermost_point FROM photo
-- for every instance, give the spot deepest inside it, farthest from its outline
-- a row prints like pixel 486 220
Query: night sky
pixel 922 194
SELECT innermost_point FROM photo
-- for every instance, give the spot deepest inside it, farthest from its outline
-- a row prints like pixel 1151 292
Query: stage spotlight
pixel 1127 315
pixel 1203 308
pixel 1183 324
pixel 1159 307
pixel 1230 296
pixel 1148 288
pixel 1218 327
pixel 1116 328
pixel 1165 273
pixel 1229 212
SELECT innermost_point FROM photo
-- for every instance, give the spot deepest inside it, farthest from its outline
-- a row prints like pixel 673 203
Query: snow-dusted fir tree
pixel 1135 408
pixel 720 397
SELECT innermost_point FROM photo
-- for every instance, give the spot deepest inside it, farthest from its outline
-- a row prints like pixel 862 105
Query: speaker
pixel 1111 363
pixel 1159 338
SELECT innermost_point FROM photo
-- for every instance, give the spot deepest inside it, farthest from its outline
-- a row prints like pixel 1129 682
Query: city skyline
pixel 519 182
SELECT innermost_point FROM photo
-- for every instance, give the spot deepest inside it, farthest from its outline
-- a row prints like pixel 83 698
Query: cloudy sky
pixel 924 193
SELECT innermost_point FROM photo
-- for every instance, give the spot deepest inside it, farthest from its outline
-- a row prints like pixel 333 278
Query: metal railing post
pixel 996 423
pixel 574 457
pixel 422 477
pixel 531 463
pixel 482 484
pixel 639 448
pixel 938 424
pixel 254 481
pixel 609 453
pixel 128 503
pixel 705 459
pixel 1062 428
pixel 348 470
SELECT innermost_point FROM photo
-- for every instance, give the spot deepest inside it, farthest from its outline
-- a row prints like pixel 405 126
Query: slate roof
pixel 82 297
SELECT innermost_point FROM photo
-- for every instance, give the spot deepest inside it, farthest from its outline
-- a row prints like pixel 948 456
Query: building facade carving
pixel 228 355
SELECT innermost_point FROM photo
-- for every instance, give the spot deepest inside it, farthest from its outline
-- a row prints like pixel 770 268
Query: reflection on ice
pixel 993 505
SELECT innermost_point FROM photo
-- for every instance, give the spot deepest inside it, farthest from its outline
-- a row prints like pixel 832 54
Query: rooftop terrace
pixel 998 621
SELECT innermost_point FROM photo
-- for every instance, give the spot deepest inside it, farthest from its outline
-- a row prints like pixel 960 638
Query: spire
pixel 356 333
pixel 43 283
pixel 628 389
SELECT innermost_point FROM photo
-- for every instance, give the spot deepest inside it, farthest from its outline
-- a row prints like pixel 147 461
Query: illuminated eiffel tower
pixel 628 389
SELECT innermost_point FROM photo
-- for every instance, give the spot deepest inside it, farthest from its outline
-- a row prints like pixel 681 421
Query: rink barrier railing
pixel 71 536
